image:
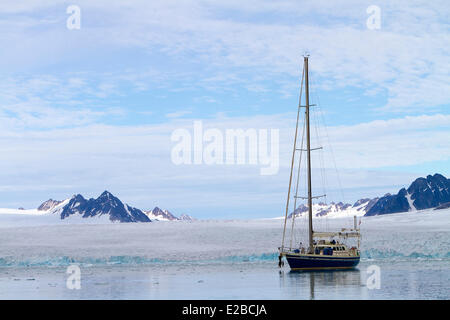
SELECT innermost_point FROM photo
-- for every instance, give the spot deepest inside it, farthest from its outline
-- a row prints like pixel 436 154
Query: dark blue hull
pixel 316 262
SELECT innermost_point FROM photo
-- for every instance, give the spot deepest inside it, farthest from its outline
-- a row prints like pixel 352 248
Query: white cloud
pixel 405 141
pixel 135 163
pixel 407 57
pixel 214 46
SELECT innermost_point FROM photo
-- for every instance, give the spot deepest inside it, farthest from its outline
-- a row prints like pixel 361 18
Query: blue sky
pixel 86 110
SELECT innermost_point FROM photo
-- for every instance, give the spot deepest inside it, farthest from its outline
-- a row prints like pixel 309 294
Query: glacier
pixel 34 239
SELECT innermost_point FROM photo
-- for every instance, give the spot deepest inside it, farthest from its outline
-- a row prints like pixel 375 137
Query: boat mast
pixel 308 150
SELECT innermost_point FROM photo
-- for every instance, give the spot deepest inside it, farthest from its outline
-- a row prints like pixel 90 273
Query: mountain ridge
pixel 105 205
pixel 423 193
pixel 433 191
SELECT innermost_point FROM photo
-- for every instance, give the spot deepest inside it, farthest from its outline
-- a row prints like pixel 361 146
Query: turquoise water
pixel 138 260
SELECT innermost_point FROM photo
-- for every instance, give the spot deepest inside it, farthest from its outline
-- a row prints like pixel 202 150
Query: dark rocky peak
pixel 360 202
pixel 402 192
pixel 165 214
pixel 371 203
pixel 423 193
pixel 390 204
pixel 429 192
pixel 430 182
pixel 105 204
pixel 157 211
pixel 419 185
pixel 76 199
pixel 107 196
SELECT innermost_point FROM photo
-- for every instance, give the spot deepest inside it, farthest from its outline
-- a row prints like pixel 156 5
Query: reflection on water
pixel 418 279
pixel 322 284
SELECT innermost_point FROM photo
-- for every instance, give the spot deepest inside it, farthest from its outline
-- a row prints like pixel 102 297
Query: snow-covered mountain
pixel 359 208
pixel 106 205
pixel 48 205
pixel 423 193
pixel 165 215
pixel 160 215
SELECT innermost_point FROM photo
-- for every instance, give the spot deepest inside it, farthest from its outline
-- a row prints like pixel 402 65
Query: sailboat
pixel 325 250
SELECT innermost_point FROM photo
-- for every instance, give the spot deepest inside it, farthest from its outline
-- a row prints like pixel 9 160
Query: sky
pixel 94 108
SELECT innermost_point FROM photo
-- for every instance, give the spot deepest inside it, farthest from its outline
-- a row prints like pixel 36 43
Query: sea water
pixel 404 256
